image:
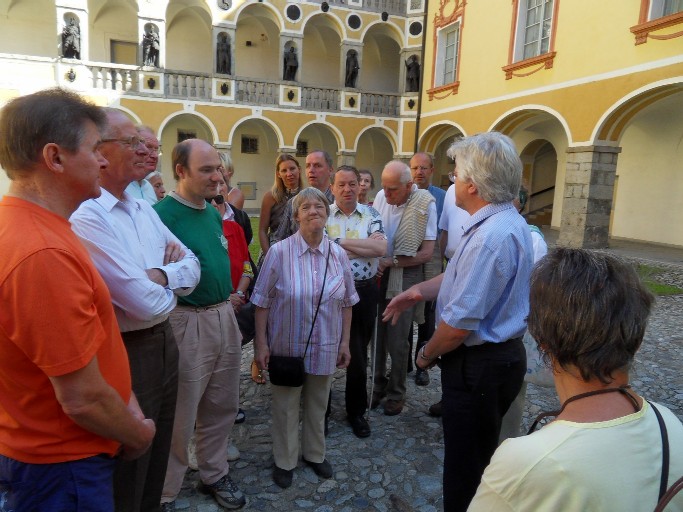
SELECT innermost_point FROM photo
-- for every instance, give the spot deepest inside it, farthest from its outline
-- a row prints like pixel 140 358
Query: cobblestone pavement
pixel 399 468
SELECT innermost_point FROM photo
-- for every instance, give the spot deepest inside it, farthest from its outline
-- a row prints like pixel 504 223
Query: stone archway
pixel 181 127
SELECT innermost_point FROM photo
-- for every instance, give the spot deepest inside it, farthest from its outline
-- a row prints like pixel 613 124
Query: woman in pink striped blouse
pixel 286 295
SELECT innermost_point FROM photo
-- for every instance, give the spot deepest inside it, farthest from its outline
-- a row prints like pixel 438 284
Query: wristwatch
pixel 395 261
pixel 240 294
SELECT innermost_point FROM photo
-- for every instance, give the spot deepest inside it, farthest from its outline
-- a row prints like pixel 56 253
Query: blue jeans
pixel 78 486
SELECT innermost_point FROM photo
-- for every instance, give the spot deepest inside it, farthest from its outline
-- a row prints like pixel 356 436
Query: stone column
pixel 588 192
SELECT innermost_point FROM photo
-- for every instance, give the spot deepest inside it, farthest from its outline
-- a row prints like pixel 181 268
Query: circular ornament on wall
pixel 385 16
pixel 293 12
pixel 415 28
pixel 224 4
pixel 353 21
pixel 325 6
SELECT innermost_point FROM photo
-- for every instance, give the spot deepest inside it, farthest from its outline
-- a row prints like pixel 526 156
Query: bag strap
pixel 320 298
pixel 665 451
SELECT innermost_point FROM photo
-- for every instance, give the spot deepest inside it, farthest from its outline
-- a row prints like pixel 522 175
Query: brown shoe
pixel 393 407
pixel 435 409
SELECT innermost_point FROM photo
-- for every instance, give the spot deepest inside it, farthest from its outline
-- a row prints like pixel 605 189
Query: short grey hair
pixel 490 161
pixel 405 175
pixel 309 193
pixel 588 310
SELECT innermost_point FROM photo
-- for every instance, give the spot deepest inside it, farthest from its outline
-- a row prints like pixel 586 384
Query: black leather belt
pixel 362 283
pixel 146 332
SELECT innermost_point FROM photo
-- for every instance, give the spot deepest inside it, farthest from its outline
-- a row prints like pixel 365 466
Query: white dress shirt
pixel 452 220
pixel 126 238
pixel 143 190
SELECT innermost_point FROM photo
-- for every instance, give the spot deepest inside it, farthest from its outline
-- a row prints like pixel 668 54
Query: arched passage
pixel 257 43
pixel 318 136
pixel 541 137
pixel 373 150
pixel 321 52
pixel 436 140
pixel 36 18
pixel 188 36
pixel 648 189
pixel 381 64
pixel 113 31
pixel 254 150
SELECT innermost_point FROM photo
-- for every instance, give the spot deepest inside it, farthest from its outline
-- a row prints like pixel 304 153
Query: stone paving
pixel 399 468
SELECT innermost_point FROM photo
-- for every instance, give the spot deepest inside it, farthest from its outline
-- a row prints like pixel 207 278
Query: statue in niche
pixel 412 74
pixel 71 40
pixel 352 68
pixel 223 57
pixel 151 46
pixel 291 65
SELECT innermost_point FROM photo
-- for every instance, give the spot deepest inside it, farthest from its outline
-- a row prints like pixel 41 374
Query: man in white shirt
pixel 145 266
pixel 409 219
pixel 142 188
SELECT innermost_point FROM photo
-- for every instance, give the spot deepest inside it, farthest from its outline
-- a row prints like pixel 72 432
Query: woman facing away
pixel 286 185
pixel 603 452
pixel 305 290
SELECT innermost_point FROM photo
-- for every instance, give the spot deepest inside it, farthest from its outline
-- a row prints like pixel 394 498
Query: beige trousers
pixel 285 412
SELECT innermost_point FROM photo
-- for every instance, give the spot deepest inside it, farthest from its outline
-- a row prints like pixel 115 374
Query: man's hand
pixel 174 252
pixel 400 303
pixel 157 276
pixel 148 429
pixel 237 302
pixel 261 355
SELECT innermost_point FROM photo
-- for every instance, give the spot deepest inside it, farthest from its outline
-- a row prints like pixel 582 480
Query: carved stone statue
pixel 291 65
pixel 352 68
pixel 71 40
pixel 151 46
pixel 412 74
pixel 223 57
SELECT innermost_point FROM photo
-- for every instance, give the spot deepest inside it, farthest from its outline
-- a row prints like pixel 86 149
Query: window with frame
pixel 448 45
pixel 534 27
pixel 249 144
pixel 661 8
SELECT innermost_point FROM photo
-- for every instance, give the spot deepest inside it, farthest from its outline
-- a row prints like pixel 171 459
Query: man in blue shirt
pixel 481 311
pixel 421 169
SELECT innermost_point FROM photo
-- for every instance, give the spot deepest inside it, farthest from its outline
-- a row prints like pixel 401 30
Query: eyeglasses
pixel 153 149
pixel 134 142
pixel 219 199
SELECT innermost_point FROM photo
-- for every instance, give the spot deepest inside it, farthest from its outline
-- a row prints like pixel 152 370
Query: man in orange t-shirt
pixel 66 406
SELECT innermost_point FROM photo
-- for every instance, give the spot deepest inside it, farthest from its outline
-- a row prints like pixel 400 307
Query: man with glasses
pixel 145 267
pixel 421 169
pixel 208 336
pixel 143 189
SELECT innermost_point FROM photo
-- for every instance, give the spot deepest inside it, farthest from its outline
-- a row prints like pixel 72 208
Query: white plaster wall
pixel 188 40
pixel 321 56
pixel 261 59
pixel 114 21
pixel 649 197
pixel 37 18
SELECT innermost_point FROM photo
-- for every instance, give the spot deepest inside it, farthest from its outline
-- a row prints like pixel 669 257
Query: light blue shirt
pixel 486 285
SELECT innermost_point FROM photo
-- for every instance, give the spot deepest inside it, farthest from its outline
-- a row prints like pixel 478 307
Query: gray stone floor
pixel 399 467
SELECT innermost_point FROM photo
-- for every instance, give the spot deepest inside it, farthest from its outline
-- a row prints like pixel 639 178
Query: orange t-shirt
pixel 55 316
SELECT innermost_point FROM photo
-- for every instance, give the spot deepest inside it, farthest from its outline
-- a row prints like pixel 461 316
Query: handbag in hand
pixel 289 370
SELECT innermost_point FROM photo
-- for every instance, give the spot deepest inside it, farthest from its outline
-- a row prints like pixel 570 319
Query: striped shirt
pixel 486 285
pixel 363 222
pixel 289 286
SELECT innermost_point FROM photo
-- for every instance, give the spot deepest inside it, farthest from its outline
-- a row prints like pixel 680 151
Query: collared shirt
pixel 124 239
pixel 143 190
pixel 486 285
pixel 289 286
pixel 439 195
pixel 363 222
pixel 391 218
pixel 453 218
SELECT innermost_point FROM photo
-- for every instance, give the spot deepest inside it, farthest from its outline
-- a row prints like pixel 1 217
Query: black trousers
pixel 153 357
pixel 362 328
pixel 479 384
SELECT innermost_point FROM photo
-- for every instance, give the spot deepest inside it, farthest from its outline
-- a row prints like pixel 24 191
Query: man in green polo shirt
pixel 204 325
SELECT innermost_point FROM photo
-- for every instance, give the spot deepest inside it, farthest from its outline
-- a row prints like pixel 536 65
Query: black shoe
pixel 360 426
pixel 421 377
pixel 240 417
pixel 322 469
pixel 393 407
pixel 435 409
pixel 282 477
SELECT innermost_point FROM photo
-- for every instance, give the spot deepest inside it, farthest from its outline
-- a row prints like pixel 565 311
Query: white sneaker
pixel 192 454
pixel 233 452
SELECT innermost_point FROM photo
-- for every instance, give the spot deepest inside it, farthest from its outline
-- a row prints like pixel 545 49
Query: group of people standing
pixel 122 322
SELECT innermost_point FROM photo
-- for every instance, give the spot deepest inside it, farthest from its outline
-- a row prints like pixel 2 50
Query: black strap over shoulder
pixel 665 451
